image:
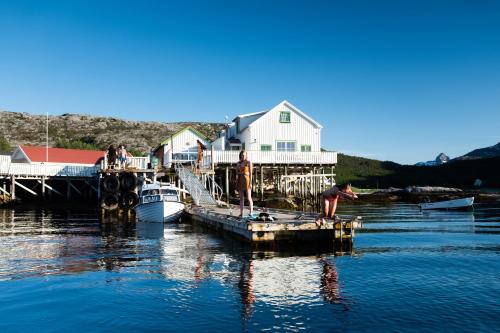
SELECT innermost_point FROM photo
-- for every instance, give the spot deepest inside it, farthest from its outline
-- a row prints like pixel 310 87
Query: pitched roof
pixel 62 155
pixel 261 114
pixel 190 128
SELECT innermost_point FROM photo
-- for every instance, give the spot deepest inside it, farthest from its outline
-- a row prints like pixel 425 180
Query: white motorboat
pixel 159 203
pixel 462 203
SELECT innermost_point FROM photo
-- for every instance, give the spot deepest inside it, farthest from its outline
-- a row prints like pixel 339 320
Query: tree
pixel 4 144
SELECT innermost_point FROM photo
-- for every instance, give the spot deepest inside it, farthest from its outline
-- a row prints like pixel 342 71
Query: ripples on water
pixel 409 271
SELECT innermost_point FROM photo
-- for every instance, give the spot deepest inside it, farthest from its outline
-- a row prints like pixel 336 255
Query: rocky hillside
pixel 487 152
pixel 91 131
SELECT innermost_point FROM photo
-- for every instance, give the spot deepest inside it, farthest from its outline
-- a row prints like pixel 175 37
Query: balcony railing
pixel 132 163
pixel 270 157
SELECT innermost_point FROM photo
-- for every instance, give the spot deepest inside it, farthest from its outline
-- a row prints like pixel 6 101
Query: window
pixel 284 117
pixel 266 147
pixel 285 146
pixel 305 148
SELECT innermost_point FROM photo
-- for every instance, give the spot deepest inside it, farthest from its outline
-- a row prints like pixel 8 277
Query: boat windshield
pixel 150 192
pixel 169 192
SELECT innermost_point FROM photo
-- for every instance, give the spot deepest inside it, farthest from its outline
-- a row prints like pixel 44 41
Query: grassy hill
pixel 363 172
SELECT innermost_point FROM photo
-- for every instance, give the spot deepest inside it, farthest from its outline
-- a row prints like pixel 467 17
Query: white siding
pixel 268 130
pixel 219 143
pixel 245 121
pixel 186 141
pixel 185 146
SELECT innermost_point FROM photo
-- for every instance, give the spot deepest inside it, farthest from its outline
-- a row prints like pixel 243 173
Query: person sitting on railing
pixel 244 181
pixel 329 200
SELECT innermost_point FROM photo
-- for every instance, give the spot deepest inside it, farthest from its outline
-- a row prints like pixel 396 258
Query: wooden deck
pixel 287 227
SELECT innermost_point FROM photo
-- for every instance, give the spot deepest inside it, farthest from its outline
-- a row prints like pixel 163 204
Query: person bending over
pixel 329 200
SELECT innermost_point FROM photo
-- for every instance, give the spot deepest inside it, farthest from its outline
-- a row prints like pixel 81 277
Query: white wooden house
pixel 181 146
pixel 282 135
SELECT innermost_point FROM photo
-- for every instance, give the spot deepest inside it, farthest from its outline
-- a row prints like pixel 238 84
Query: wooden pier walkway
pixel 288 226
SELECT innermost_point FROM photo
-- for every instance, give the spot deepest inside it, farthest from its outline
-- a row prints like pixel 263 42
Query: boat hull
pixel 463 203
pixel 159 211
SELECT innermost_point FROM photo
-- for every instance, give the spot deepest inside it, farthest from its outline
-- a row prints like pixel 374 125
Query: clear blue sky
pixel 392 80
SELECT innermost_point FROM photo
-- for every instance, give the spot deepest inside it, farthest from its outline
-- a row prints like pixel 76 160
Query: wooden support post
pixel 74 187
pixel 51 189
pixel 262 183
pixel 212 161
pixel 68 189
pixel 13 187
pixel 26 188
pixel 227 185
pixel 4 191
pixel 286 180
pixel 213 185
pixel 43 187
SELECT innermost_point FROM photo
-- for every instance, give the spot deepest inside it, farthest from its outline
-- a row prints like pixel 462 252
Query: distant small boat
pixel 449 204
pixel 159 203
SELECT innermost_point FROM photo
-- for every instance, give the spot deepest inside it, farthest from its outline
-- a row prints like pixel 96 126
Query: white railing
pixel 270 157
pixel 132 162
pixel 4 164
pixel 48 169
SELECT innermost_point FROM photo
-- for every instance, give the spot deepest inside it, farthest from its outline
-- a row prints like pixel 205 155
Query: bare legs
pixel 248 193
pixel 329 206
pixel 250 201
pixel 333 208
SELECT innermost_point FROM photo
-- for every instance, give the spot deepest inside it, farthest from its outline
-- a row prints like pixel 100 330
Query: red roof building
pixel 37 154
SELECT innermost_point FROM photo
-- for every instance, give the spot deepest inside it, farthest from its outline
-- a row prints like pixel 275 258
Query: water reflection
pixel 185 270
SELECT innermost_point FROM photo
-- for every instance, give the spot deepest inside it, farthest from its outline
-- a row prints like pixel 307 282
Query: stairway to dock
pixel 201 196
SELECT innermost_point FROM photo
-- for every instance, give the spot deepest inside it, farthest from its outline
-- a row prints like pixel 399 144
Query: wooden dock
pixel 289 225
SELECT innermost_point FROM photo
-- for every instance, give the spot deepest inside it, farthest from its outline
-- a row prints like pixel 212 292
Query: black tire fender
pixel 128 181
pixel 109 201
pixel 111 184
pixel 129 199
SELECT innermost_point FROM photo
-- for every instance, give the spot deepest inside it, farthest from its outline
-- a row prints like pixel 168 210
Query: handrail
pixel 270 157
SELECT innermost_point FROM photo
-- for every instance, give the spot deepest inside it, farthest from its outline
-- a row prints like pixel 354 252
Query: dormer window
pixel 284 117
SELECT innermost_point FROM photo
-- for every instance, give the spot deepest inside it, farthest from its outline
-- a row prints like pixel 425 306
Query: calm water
pixel 409 271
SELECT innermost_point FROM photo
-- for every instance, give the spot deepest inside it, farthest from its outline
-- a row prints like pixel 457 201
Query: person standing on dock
pixel 329 200
pixel 111 157
pixel 244 181
pixel 122 156
pixel 199 158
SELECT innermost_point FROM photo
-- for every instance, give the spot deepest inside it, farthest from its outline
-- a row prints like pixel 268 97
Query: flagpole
pixel 47 139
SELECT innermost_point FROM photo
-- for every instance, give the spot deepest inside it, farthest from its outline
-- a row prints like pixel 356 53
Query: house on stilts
pixel 284 145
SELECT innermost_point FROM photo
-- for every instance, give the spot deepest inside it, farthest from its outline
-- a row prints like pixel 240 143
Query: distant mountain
pixel 487 152
pixel 90 132
pixel 440 159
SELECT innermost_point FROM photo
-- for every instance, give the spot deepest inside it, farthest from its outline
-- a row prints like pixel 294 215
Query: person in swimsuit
pixel 329 200
pixel 244 181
